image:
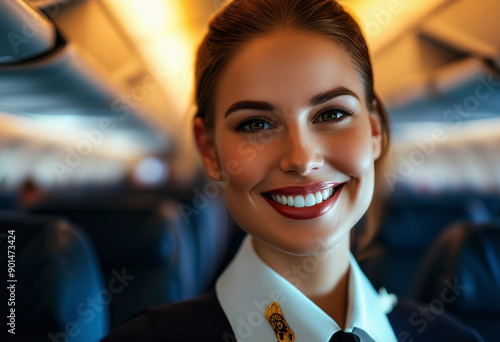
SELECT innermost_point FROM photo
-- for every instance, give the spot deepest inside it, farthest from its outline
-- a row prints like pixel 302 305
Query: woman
pixel 289 121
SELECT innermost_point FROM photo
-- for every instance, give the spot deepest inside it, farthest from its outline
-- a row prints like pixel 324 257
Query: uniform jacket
pixel 236 312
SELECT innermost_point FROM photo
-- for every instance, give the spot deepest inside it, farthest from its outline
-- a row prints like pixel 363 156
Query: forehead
pixel 286 68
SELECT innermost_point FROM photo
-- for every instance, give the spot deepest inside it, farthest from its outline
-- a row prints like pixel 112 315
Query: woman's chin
pixel 303 246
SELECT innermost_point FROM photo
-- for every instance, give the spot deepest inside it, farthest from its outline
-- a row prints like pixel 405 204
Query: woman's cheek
pixel 351 152
pixel 250 159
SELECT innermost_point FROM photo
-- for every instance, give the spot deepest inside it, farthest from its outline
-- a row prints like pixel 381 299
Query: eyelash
pixel 240 126
pixel 346 112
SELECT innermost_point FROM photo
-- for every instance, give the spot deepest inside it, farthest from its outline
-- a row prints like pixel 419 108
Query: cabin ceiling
pixel 73 64
pixel 126 46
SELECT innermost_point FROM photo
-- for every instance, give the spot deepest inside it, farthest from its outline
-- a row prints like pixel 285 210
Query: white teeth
pixel 310 200
pixel 299 201
pixel 318 198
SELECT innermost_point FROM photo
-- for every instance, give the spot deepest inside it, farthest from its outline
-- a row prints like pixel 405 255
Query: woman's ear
pixel 376 128
pixel 206 147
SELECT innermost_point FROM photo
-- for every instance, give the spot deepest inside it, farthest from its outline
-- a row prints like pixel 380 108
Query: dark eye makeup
pixel 258 123
pixel 334 114
pixel 253 124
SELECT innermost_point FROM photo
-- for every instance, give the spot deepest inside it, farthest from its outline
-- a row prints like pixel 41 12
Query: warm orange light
pixel 384 20
pixel 162 34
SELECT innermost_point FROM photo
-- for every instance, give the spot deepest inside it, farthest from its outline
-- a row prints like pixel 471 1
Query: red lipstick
pixel 305 213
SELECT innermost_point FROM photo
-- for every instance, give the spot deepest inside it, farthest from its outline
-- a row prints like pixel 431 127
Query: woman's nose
pixel 301 153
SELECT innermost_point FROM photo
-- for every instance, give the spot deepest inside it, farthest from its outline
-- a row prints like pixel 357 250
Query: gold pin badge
pixel 280 326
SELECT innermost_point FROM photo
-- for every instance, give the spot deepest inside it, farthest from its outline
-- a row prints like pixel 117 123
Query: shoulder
pixel 137 329
pixel 413 322
pixel 197 319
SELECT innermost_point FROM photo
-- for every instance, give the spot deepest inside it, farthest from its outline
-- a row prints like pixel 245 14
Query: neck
pixel 323 278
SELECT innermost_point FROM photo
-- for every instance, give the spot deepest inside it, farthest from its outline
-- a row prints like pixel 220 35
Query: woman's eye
pixel 253 125
pixel 333 115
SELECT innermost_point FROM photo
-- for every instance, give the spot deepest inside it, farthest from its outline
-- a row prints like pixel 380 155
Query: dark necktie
pixel 341 336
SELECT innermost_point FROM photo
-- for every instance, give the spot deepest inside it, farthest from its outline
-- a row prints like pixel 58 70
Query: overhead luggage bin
pixel 469 27
pixel 64 81
pixel 69 82
pixel 25 32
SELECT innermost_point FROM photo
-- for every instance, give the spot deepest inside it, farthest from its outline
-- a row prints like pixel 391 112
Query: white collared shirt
pixel 248 286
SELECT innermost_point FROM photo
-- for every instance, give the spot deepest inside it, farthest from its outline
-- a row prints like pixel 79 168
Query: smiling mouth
pixel 306 200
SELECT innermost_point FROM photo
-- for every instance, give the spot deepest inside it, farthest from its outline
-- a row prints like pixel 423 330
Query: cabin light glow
pixel 150 16
pixel 383 20
pixel 162 34
pixel 151 172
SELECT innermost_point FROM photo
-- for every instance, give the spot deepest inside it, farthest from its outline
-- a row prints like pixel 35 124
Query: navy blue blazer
pixel 202 319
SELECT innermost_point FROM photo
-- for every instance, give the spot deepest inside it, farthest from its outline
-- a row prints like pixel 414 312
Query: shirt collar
pixel 248 286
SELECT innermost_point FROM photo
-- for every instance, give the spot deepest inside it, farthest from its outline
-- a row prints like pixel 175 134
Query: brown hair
pixel 240 21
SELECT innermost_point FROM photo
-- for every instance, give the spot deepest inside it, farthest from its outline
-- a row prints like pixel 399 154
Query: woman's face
pixel 292 124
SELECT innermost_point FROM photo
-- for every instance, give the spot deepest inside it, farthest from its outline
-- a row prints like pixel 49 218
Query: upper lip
pixel 304 189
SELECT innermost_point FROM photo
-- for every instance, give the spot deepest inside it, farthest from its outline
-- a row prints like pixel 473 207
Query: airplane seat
pixel 408 227
pixel 461 273
pixel 7 202
pixel 492 201
pixel 58 281
pixel 140 254
pixel 142 249
pixel 210 228
pixel 163 254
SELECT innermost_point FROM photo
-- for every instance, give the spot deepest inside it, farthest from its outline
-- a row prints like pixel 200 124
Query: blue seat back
pixel 59 281
pixel 409 226
pixel 166 256
pixel 462 272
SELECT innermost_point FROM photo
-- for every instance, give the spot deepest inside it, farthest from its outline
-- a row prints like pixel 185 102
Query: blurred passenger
pixel 29 195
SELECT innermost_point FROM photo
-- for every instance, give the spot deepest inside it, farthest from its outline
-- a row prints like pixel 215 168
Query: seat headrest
pixel 462 269
pixel 56 271
pixel 144 236
pixel 414 224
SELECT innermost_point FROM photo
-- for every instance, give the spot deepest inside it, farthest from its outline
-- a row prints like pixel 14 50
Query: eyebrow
pixel 316 100
pixel 331 94
pixel 257 105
